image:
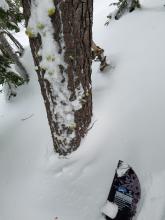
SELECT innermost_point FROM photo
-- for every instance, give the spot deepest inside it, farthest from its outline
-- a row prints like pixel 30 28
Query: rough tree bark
pixel 72 32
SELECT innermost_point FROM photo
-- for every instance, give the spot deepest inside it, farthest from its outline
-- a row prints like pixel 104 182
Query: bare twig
pixel 91 126
pixel 23 119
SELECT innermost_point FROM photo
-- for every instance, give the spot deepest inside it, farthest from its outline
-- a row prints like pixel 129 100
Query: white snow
pixel 4 5
pixel 110 209
pixel 122 169
pixel 129 124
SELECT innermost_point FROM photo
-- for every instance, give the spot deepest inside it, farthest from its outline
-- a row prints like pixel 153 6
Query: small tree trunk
pixel 69 101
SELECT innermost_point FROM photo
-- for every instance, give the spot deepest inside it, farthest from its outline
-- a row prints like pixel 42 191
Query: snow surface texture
pixel 129 107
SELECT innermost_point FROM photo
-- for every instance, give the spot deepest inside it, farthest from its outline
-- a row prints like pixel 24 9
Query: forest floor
pixel 129 124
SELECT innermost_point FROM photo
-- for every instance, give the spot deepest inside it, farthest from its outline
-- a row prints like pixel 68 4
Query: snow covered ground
pixel 129 116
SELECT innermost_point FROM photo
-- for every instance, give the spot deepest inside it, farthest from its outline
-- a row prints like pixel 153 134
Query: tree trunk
pixel 68 97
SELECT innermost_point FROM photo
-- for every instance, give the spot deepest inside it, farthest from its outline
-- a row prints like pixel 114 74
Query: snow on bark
pixel 52 63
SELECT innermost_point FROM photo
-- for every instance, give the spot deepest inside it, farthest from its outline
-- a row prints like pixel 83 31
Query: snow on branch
pixel 4 5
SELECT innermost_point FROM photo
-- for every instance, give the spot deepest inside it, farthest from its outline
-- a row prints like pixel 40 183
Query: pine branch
pixel 5 46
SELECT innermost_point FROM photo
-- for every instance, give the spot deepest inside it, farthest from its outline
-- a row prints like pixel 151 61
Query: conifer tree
pixel 60 34
pixel 122 7
pixel 10 17
pixel 7 75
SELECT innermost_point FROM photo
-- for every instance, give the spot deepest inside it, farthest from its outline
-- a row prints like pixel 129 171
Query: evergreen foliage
pixel 6 73
pixel 122 6
pixel 10 17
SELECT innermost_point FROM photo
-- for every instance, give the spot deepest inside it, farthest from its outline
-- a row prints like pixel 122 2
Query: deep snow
pixel 129 124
